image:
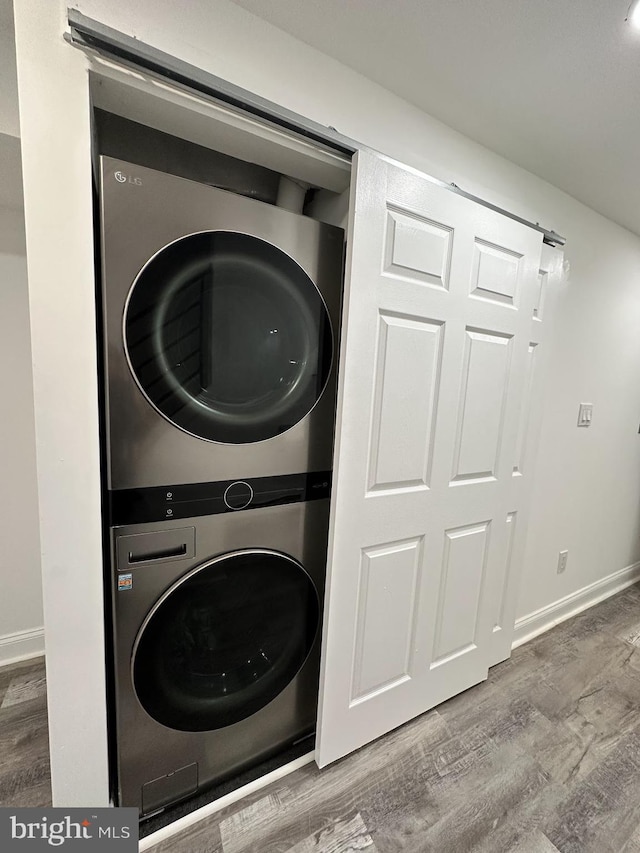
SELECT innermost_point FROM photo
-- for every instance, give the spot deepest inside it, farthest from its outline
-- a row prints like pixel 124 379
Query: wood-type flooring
pixel 543 757
pixel 24 739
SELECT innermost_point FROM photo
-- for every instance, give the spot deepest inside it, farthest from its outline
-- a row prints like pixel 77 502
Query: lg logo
pixel 127 179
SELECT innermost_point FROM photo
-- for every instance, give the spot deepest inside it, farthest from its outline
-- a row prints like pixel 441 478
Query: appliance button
pixel 238 495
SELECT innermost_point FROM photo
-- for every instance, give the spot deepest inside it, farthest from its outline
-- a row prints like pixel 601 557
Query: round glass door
pixel 228 337
pixel 225 640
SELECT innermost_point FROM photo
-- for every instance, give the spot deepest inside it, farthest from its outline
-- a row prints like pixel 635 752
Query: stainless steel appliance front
pixel 221 317
pixel 216 644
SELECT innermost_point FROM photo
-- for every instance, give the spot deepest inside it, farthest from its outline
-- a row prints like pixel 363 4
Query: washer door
pixel 228 337
pixel 225 640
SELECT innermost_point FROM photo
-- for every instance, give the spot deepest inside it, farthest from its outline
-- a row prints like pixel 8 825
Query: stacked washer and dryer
pixel 220 319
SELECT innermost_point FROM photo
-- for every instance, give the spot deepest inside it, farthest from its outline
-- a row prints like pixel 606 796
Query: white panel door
pixel 508 575
pixel 436 365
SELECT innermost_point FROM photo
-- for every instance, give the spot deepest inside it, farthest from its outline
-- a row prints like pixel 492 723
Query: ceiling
pixel 551 86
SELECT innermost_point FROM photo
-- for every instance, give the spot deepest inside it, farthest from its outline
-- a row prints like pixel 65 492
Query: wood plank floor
pixel 24 739
pixel 544 757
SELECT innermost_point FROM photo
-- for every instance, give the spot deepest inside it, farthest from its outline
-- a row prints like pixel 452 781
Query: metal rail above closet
pixel 93 36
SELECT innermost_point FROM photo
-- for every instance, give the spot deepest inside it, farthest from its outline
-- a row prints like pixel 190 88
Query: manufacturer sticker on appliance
pixel 125 582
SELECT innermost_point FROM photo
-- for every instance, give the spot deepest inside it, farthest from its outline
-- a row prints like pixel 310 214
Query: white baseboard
pixel 536 623
pixel 22 645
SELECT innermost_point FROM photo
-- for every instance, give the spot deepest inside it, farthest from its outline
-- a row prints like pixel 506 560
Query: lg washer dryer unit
pixel 216 629
pixel 220 321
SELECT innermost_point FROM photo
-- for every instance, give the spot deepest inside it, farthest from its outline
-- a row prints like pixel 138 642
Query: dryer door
pixel 228 337
pixel 225 640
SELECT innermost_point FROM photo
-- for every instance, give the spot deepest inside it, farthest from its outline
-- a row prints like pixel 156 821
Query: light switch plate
pixel 585 414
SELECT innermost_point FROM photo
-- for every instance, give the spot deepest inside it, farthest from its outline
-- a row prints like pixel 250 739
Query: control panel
pixel 166 503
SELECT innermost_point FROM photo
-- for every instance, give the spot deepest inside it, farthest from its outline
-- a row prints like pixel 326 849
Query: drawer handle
pixel 167 554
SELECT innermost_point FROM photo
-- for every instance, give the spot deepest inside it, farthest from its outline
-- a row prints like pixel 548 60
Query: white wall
pixel 587 495
pixel 9 119
pixel 21 633
pixel 587 489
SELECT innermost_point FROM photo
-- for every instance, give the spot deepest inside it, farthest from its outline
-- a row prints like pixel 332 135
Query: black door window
pixel 226 640
pixel 228 337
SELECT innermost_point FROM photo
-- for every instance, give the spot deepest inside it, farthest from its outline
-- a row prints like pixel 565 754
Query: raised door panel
pixel 502 577
pixel 462 576
pixel 417 248
pixel 525 412
pixel 403 413
pixel 541 292
pixel 387 597
pixel 481 405
pixel 495 273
